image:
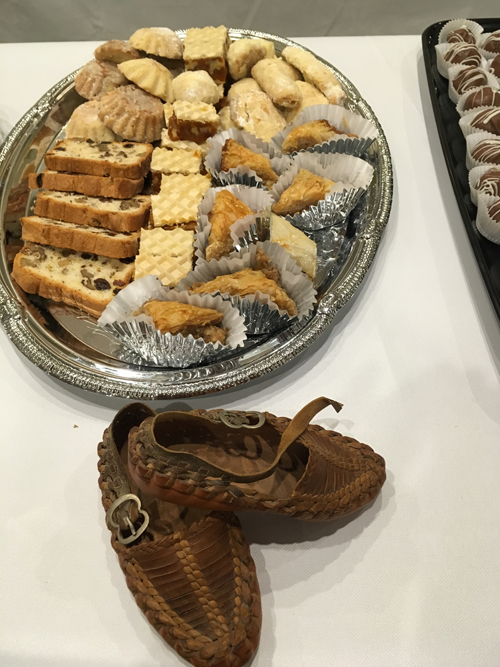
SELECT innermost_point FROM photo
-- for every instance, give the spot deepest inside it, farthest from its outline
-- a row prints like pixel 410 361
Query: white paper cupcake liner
pixel 472 140
pixel 444 66
pixel 462 98
pixel 352 177
pixel 484 223
pixel 467 120
pixel 474 27
pixel 242 175
pixel 474 175
pixel 453 71
pixel 257 199
pixel 339 117
pixel 138 334
pixel 489 55
pixel 263 315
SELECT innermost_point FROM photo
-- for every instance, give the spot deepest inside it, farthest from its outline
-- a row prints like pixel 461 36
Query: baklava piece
pixel 243 54
pixel 206 49
pixel 245 283
pixel 300 247
pixel 167 254
pixel 227 209
pixel 175 318
pixel 310 134
pixel 236 155
pixel 192 121
pixel 158 42
pixel 306 190
pixel 178 200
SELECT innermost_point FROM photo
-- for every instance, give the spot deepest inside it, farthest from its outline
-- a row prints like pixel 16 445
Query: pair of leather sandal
pixel 170 483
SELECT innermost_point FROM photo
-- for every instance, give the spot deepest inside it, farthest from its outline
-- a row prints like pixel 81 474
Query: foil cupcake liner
pixel 472 140
pixel 251 230
pixel 474 175
pixel 242 175
pixel 486 226
pixel 456 69
pixel 340 118
pixel 260 318
pixel 256 199
pixel 351 175
pixel 139 336
pixel 474 27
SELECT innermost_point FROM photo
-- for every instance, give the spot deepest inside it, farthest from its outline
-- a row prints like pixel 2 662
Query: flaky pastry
pixel 236 155
pixel 174 318
pixel 226 210
pixel 310 134
pixel 306 190
pixel 247 282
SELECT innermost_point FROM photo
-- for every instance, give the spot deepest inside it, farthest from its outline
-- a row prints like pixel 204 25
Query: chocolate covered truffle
pixel 488 120
pixel 495 66
pixel 487 151
pixel 483 97
pixel 494 211
pixel 463 54
pixel 492 44
pixel 461 35
pixel 470 77
pixel 489 183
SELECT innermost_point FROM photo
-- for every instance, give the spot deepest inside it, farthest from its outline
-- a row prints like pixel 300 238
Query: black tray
pixel 453 143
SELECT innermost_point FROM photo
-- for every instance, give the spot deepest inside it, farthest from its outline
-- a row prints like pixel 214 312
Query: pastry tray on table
pixel 67 344
pixel 454 149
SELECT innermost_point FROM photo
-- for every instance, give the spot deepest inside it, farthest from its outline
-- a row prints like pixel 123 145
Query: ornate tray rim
pixel 56 359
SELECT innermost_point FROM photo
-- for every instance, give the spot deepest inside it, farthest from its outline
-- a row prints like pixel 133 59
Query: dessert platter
pixel 187 212
pixel 462 61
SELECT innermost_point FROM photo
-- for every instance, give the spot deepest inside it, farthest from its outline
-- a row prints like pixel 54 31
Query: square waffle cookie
pixel 178 199
pixel 193 121
pixel 167 142
pixel 176 161
pixel 167 254
pixel 206 48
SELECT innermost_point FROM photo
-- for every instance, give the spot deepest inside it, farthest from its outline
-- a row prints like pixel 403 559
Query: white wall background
pixel 75 20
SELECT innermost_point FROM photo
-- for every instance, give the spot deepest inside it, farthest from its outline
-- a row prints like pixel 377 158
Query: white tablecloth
pixel 414 579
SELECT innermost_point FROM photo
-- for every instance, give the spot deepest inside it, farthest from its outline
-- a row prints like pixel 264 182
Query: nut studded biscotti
pixel 119 215
pixel 78 279
pixel 94 186
pixel 113 158
pixel 79 237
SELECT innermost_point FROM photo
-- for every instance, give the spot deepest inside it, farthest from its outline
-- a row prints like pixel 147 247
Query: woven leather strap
pixel 293 431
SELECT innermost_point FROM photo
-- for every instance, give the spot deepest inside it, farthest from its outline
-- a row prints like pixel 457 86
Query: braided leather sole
pixel 197 585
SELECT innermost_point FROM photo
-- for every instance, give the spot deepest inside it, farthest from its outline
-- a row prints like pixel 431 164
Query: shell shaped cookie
pixel 158 42
pixel 133 114
pixel 86 124
pixel 116 51
pixel 95 79
pixel 150 76
pixel 196 86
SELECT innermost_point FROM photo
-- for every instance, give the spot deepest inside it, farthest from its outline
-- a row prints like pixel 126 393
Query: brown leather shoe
pixel 252 461
pixel 191 572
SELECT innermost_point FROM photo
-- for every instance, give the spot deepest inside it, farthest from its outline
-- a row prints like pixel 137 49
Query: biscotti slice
pixel 119 215
pixel 82 280
pixel 178 199
pixel 79 237
pixel 121 159
pixel 167 254
pixel 94 186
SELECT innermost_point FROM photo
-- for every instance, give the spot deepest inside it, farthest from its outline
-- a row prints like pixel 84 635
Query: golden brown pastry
pixel 275 80
pixel 311 133
pixel 236 155
pixel 226 210
pixel 183 318
pixel 263 263
pixel 306 190
pixel 247 282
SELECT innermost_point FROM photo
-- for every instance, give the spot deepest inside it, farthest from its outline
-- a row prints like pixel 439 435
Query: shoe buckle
pixel 241 420
pixel 134 533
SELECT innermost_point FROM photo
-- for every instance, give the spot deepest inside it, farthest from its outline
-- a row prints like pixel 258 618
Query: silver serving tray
pixel 66 344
